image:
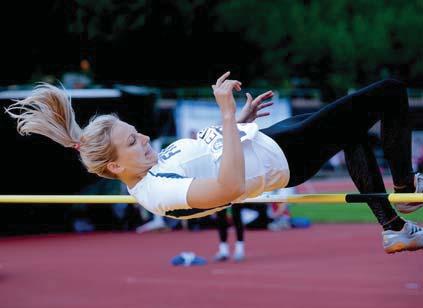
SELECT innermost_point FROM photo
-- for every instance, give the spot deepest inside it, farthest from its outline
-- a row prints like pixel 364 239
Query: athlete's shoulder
pixel 160 191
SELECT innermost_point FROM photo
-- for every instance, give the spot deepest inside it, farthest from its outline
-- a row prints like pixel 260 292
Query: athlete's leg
pixel 345 123
pixel 310 141
pixel 365 173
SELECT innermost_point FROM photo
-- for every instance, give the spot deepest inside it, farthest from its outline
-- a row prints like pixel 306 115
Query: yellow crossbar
pixel 305 198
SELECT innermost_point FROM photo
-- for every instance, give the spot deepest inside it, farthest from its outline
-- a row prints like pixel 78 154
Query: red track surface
pixel 323 266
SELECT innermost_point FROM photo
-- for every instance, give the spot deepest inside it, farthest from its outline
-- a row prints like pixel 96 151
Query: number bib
pixel 213 137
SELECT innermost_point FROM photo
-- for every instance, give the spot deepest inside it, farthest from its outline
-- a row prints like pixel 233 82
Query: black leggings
pixel 222 224
pixel 310 140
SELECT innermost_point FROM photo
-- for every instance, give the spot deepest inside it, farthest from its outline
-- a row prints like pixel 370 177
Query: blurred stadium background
pixel 153 62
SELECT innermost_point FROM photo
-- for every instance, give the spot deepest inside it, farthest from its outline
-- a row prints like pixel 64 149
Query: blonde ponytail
pixel 48 111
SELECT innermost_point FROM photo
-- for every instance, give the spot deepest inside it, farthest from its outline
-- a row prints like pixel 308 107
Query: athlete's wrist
pixel 228 116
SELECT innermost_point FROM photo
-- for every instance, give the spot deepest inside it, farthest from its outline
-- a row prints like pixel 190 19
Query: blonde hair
pixel 48 111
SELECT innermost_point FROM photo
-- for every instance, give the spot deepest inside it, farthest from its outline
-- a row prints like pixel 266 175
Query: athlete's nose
pixel 144 138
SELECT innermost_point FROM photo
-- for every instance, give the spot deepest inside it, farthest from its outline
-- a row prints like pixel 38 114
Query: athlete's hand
pixel 223 92
pixel 251 109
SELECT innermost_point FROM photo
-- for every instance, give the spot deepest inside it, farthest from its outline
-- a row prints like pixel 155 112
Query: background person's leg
pixel 239 251
pixel 222 227
pixel 239 226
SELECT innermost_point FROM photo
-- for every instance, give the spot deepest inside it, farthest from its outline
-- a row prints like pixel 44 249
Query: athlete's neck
pixel 132 180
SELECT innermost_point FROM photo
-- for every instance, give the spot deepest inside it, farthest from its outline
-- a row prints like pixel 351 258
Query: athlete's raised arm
pixel 230 183
pixel 253 106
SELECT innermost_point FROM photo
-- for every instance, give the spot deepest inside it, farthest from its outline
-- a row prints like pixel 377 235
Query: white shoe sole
pixel 402 246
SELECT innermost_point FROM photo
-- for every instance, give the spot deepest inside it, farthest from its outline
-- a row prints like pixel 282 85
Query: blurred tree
pixel 107 20
pixel 336 44
pixel 164 43
pixel 332 45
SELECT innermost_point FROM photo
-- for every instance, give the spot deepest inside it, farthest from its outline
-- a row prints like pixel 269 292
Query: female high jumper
pixel 236 160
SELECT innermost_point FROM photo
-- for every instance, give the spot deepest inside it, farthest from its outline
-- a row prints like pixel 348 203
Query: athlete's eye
pixel 133 141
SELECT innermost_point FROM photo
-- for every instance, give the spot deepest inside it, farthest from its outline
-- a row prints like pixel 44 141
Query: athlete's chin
pixel 152 159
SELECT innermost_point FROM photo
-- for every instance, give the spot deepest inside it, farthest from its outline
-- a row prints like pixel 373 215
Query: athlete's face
pixel 134 152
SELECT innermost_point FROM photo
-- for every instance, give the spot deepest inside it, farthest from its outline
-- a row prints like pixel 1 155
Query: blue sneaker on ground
pixel 188 259
pixel 300 222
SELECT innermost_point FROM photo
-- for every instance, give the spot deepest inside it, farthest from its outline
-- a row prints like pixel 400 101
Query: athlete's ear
pixel 115 168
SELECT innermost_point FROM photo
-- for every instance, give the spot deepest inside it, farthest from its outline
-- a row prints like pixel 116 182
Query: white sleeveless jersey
pixel 163 191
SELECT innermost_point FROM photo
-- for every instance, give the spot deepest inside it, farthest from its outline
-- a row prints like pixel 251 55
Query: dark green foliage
pixel 331 45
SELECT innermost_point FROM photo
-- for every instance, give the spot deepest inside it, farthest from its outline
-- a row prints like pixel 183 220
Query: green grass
pixel 342 213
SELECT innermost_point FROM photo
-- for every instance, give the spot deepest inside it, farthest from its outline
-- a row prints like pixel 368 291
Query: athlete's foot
pixel 410 237
pixel 409 207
